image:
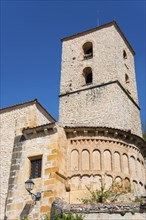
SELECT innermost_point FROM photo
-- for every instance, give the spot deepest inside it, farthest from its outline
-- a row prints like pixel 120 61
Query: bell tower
pixel 98 85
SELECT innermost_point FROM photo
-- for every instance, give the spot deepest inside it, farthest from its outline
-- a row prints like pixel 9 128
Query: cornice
pixel 41 130
pixel 102 85
pixel 118 136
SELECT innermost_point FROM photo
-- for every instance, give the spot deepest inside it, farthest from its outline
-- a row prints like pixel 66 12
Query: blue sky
pixel 31 46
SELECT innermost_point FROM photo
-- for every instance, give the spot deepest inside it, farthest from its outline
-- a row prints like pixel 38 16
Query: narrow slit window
pixel 127 78
pixel 124 54
pixel 36 168
pixel 87 72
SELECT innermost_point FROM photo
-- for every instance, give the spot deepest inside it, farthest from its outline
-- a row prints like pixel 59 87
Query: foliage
pixel 68 216
pixel 45 217
pixel 133 212
pixel 105 195
pixel 122 213
pixel 26 217
pixel 137 199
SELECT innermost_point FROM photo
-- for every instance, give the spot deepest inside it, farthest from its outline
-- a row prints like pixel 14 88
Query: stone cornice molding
pixel 81 140
pixel 101 85
pixel 42 130
pixel 118 135
pixel 100 173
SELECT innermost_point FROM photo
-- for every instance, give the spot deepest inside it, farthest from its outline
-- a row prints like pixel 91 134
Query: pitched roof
pixel 25 104
pixel 101 27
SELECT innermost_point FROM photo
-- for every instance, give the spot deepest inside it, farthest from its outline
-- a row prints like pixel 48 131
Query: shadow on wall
pixel 14 169
pixel 26 210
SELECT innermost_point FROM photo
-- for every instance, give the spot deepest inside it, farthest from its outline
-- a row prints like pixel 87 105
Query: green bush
pixel 103 195
pixel 68 216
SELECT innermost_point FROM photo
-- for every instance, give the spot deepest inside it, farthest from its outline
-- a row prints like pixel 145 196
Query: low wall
pixel 130 211
pixel 106 216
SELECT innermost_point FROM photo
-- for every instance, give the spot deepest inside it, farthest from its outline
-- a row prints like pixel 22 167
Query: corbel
pixel 124 136
pixel 54 128
pixel 115 134
pixel 106 132
pixel 96 132
pixel 34 132
pixel 85 132
pixel 46 131
pixel 75 133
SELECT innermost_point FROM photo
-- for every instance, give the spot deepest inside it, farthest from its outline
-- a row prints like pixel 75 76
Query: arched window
pixel 124 54
pixel 88 75
pixel 88 50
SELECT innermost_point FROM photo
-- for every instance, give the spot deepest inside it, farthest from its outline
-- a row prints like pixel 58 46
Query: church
pixel 98 135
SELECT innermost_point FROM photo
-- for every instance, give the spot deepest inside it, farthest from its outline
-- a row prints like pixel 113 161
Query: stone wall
pixel 103 102
pixel 107 106
pixel 47 145
pixel 101 211
pixel 95 154
pixel 13 120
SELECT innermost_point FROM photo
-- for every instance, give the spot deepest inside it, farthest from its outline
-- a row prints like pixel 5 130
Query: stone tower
pixel 98 85
pixel 99 111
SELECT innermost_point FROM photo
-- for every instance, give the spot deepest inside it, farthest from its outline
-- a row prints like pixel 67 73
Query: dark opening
pixel 124 54
pixel 36 168
pixel 88 50
pixel 127 78
pixel 89 78
pixel 88 75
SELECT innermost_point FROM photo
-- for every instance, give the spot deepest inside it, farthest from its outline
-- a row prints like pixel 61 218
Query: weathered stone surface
pixel 100 211
pixel 12 123
pixel 107 104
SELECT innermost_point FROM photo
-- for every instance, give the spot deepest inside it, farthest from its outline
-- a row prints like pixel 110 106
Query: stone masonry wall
pixel 49 184
pixel 102 63
pixel 95 157
pixel 107 62
pixel 125 66
pixel 101 211
pixel 12 123
pixel 107 106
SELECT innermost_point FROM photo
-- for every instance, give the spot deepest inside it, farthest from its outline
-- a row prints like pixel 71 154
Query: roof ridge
pixel 98 28
pixel 20 104
pixel 35 101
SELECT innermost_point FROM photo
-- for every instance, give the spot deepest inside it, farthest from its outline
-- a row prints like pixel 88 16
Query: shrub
pixel 103 195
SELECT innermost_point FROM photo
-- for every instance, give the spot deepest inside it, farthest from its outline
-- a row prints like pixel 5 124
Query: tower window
pixel 127 78
pixel 88 50
pixel 88 75
pixel 124 54
pixel 35 167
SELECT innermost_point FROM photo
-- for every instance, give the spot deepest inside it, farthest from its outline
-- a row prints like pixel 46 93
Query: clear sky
pixel 31 46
